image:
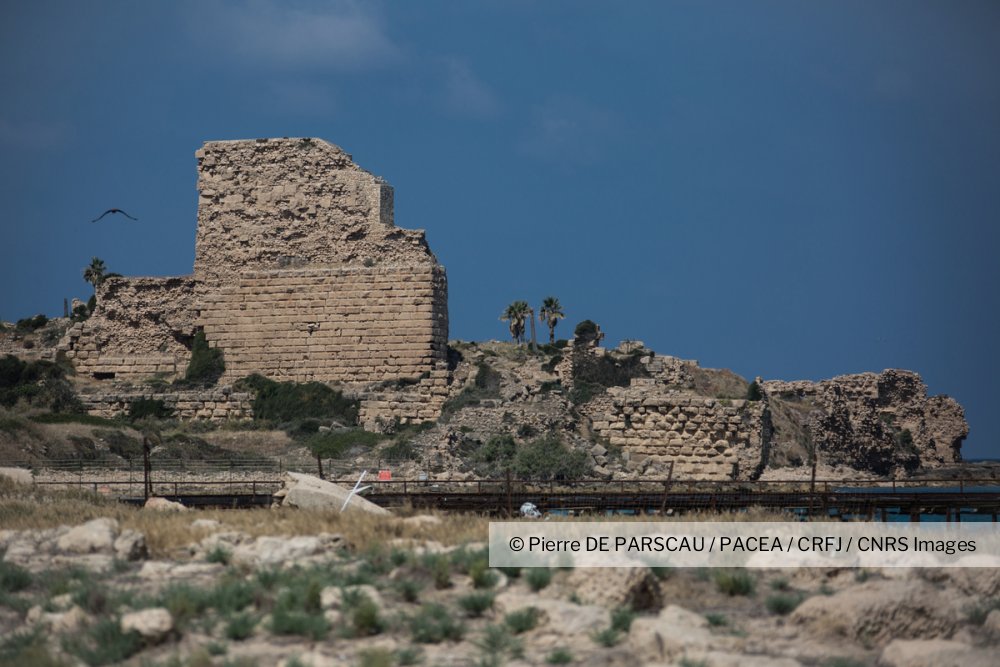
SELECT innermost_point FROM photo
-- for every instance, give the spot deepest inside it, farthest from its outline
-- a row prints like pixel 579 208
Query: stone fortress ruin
pixel 300 274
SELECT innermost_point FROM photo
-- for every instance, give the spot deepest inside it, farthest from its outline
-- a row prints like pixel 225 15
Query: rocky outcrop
pixel 881 422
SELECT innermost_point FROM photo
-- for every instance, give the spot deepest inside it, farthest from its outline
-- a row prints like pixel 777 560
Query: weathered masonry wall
pixel 293 203
pixel 877 421
pixel 703 437
pixel 212 404
pixel 352 325
pixel 417 403
pixel 141 327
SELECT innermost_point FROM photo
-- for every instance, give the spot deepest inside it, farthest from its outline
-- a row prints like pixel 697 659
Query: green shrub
pixel 780 584
pixel 486 385
pixel 495 457
pixel 289 401
pixel 735 582
pixel 495 642
pixel 336 444
pixel 144 408
pixel 400 450
pixel 184 602
pixel 28 647
pixel 13 579
pixel 977 613
pixel 716 620
pixel 409 589
pixel 560 656
pixel 782 604
pixel 662 573
pixel 538 578
pixel 522 620
pixel 286 621
pixel 586 329
pixel 103 643
pixel 219 555
pixel 433 624
pixel 121 444
pixel 38 383
pixel 476 604
pixel 754 392
pixel 607 637
pixel 549 458
pixel 510 572
pixel 441 571
pixel 621 618
pixel 481 574
pixel 240 626
pixel 207 364
pixel 365 618
pixel 32 323
pixel 409 655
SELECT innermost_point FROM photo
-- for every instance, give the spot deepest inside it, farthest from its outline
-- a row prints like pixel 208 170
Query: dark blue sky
pixel 788 189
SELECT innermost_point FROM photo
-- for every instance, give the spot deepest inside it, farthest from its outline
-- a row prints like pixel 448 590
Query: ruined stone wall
pixel 303 276
pixel 877 421
pixel 300 274
pixel 415 404
pixel 352 325
pixel 141 327
pixel 211 404
pixel 703 437
pixel 290 203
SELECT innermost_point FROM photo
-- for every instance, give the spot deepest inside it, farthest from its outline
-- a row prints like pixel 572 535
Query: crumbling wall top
pixel 293 202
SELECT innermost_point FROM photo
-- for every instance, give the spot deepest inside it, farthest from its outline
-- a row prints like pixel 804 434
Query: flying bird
pixel 114 210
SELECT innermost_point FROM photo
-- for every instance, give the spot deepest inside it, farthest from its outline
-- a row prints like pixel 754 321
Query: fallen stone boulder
pixel 153 625
pixel 669 636
pixel 879 611
pixel 163 505
pixel 267 551
pixel 96 536
pixel 309 492
pixel 17 475
pixel 635 587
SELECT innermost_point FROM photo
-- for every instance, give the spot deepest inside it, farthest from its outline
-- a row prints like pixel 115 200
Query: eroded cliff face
pixel 879 422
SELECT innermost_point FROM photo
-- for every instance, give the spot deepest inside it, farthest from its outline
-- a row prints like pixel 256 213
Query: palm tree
pixel 95 273
pixel 516 313
pixel 550 313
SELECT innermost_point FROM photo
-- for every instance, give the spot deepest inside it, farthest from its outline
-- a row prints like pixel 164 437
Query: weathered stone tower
pixel 300 274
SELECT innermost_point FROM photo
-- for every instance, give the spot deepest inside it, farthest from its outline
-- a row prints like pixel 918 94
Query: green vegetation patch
pixel 283 402
pixel 207 364
pixel 38 383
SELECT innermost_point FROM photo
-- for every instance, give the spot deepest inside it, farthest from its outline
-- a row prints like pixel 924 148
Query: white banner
pixel 742 544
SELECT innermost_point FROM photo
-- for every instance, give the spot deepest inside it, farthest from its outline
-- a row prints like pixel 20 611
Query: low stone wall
pixel 414 404
pixel 705 438
pixel 214 404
